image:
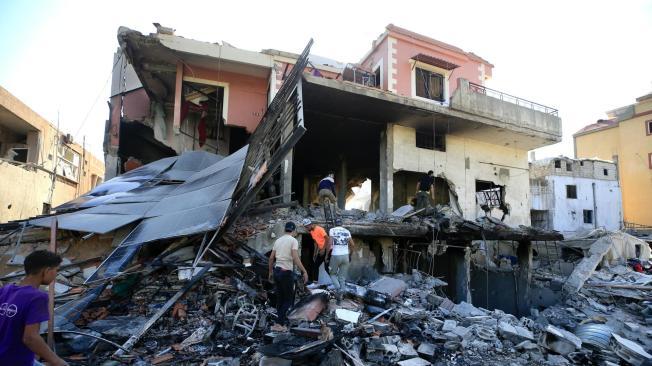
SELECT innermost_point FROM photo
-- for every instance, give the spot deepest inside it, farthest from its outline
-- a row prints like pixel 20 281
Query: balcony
pixel 511 113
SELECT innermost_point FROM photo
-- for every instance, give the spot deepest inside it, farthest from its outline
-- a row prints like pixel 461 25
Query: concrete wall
pixel 24 190
pixel 567 213
pixel 464 162
pixel 511 114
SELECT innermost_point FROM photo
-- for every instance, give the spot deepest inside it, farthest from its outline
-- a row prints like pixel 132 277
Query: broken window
pixel 569 166
pixel 429 84
pixel 557 163
pixel 430 141
pixel 491 196
pixel 68 163
pixel 588 216
pixel 571 191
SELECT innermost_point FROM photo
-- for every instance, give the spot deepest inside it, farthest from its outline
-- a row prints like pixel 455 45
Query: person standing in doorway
pixel 285 255
pixel 320 238
pixel 23 308
pixel 342 247
pixel 425 190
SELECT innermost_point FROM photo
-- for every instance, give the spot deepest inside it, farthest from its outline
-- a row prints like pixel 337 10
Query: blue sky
pixel 582 57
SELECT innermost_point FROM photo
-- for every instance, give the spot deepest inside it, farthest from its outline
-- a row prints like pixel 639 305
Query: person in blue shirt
pixel 326 190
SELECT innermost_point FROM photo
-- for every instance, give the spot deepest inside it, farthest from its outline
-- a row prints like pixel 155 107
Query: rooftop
pixel 601 124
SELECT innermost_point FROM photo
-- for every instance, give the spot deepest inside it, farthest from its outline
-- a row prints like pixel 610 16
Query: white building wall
pixel 568 213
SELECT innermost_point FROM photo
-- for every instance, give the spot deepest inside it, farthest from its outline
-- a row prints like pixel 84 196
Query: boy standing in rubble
pixel 22 309
pixel 285 254
pixel 342 246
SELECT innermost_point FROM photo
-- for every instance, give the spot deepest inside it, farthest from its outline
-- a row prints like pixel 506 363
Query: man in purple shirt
pixel 22 309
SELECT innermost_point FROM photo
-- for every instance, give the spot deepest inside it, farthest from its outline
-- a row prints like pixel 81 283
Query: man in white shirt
pixel 284 255
pixel 342 246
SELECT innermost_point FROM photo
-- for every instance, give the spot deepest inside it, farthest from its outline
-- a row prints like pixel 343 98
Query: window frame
pixel 589 214
pixel 648 127
pixel 568 186
pixel 434 138
pixel 62 162
pixel 557 164
pixel 435 70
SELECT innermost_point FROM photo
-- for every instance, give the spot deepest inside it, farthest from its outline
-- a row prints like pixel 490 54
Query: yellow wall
pixel 25 187
pixel 632 145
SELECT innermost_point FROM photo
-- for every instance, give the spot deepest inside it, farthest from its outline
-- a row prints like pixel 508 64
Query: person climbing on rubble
pixel 285 254
pixel 320 238
pixel 23 308
pixel 425 190
pixel 342 245
pixel 326 190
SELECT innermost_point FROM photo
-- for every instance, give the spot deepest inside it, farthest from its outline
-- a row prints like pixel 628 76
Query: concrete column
pixel 286 177
pixel 387 169
pixel 305 200
pixel 342 178
pixel 178 91
pixel 524 255
pixel 34 145
pixel 460 261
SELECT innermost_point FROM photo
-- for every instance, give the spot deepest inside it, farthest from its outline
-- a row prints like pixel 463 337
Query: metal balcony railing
pixel 359 76
pixel 477 88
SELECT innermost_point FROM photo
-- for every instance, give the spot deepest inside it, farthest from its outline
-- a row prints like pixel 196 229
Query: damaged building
pixel 41 167
pixel 210 150
pixel 575 195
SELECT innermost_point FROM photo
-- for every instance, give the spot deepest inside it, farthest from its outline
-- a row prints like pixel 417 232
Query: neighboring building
pixel 574 195
pixel 625 138
pixel 30 148
pixel 412 104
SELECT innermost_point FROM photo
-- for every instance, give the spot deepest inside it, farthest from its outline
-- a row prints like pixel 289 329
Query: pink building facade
pixel 399 56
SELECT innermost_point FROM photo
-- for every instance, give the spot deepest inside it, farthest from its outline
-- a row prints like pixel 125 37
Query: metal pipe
pixel 96 337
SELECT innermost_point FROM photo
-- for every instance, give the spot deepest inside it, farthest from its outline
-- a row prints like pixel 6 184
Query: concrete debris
pixel 559 340
pixel 629 351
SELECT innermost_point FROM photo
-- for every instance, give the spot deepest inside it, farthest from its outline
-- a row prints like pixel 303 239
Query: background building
pixel 31 151
pixel 570 195
pixel 625 138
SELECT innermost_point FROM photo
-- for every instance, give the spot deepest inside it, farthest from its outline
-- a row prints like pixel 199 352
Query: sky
pixel 581 57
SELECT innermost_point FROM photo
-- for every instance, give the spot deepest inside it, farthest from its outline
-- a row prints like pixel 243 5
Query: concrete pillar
pixel 524 255
pixel 305 200
pixel 387 169
pixel 460 260
pixel 342 178
pixel 178 91
pixel 286 177
pixel 34 145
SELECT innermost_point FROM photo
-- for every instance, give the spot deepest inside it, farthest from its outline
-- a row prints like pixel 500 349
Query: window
pixel 571 191
pixel 569 166
pixel 648 127
pixel 429 84
pixel 557 163
pixel 649 160
pixel 581 162
pixel 428 140
pixel 605 172
pixel 588 216
pixel 68 162
pixel 377 77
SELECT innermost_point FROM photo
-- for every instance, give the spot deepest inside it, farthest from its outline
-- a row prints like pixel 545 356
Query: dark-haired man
pixel 285 255
pixel 425 190
pixel 22 309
